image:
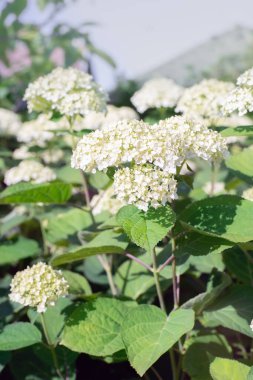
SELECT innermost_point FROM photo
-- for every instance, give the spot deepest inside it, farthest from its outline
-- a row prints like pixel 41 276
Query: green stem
pixel 214 175
pixel 157 282
pixel 51 347
pixel 108 270
pixel 173 364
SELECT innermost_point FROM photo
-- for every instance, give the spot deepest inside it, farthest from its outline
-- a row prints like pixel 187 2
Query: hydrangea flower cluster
pixel 241 98
pixel 52 156
pixel 144 186
pixel 29 171
pixel 9 122
pixel 204 100
pixel 67 91
pixel 98 120
pixel 38 286
pixel 22 153
pixel 165 145
pixel 156 93
pixel 38 131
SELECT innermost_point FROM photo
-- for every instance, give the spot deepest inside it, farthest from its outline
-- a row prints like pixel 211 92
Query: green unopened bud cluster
pixel 38 286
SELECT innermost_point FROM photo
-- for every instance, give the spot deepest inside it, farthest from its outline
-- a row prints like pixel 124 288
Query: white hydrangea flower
pixel 22 153
pixel 204 99
pixel 106 201
pixel 246 79
pixel 248 194
pixel 67 91
pixel 29 171
pixel 240 99
pixel 166 145
pixel 9 122
pixel 144 186
pixel 52 156
pixel 156 93
pixel 38 286
pixel 98 120
pixel 37 132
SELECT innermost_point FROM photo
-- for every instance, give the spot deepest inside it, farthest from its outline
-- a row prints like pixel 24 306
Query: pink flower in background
pixel 58 56
pixel 19 58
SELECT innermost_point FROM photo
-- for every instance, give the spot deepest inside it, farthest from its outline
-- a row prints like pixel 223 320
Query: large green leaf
pixel 146 229
pixel 206 264
pixel 201 352
pixel 226 216
pixel 105 242
pixel 94 327
pixel 239 265
pixel 18 335
pixel 12 252
pixel 241 162
pixel 59 225
pixel 244 130
pixel 227 369
pixel 234 310
pixel 53 192
pixel 78 285
pixel 215 287
pixel 69 175
pixel 196 244
pixel 148 333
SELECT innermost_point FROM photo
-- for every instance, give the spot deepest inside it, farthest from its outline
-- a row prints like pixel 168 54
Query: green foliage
pixel 12 252
pixel 226 216
pixel 94 327
pixel 146 229
pixel 148 333
pixel 240 163
pixel 227 369
pixel 201 352
pixel 104 243
pixel 19 335
pixel 233 310
pixel 54 192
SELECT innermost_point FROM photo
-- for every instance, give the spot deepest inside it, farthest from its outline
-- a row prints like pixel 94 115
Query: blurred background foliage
pixel 29 50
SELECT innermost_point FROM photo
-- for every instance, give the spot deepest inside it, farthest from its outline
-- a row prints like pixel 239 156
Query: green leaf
pixel 99 180
pixel 60 225
pixel 206 264
pixel 148 333
pixel 53 192
pixel 12 252
pixel 244 130
pixel 227 369
pixel 250 374
pixel 201 352
pixel 19 335
pixel 78 284
pixel 69 175
pixel 196 244
pixel 54 318
pixel 106 242
pixel 234 310
pixel 226 216
pixel 241 162
pixel 215 287
pixel 239 265
pixel 146 229
pixel 94 327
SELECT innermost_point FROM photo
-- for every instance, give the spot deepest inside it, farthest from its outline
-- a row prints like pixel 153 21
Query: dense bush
pixel 127 240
